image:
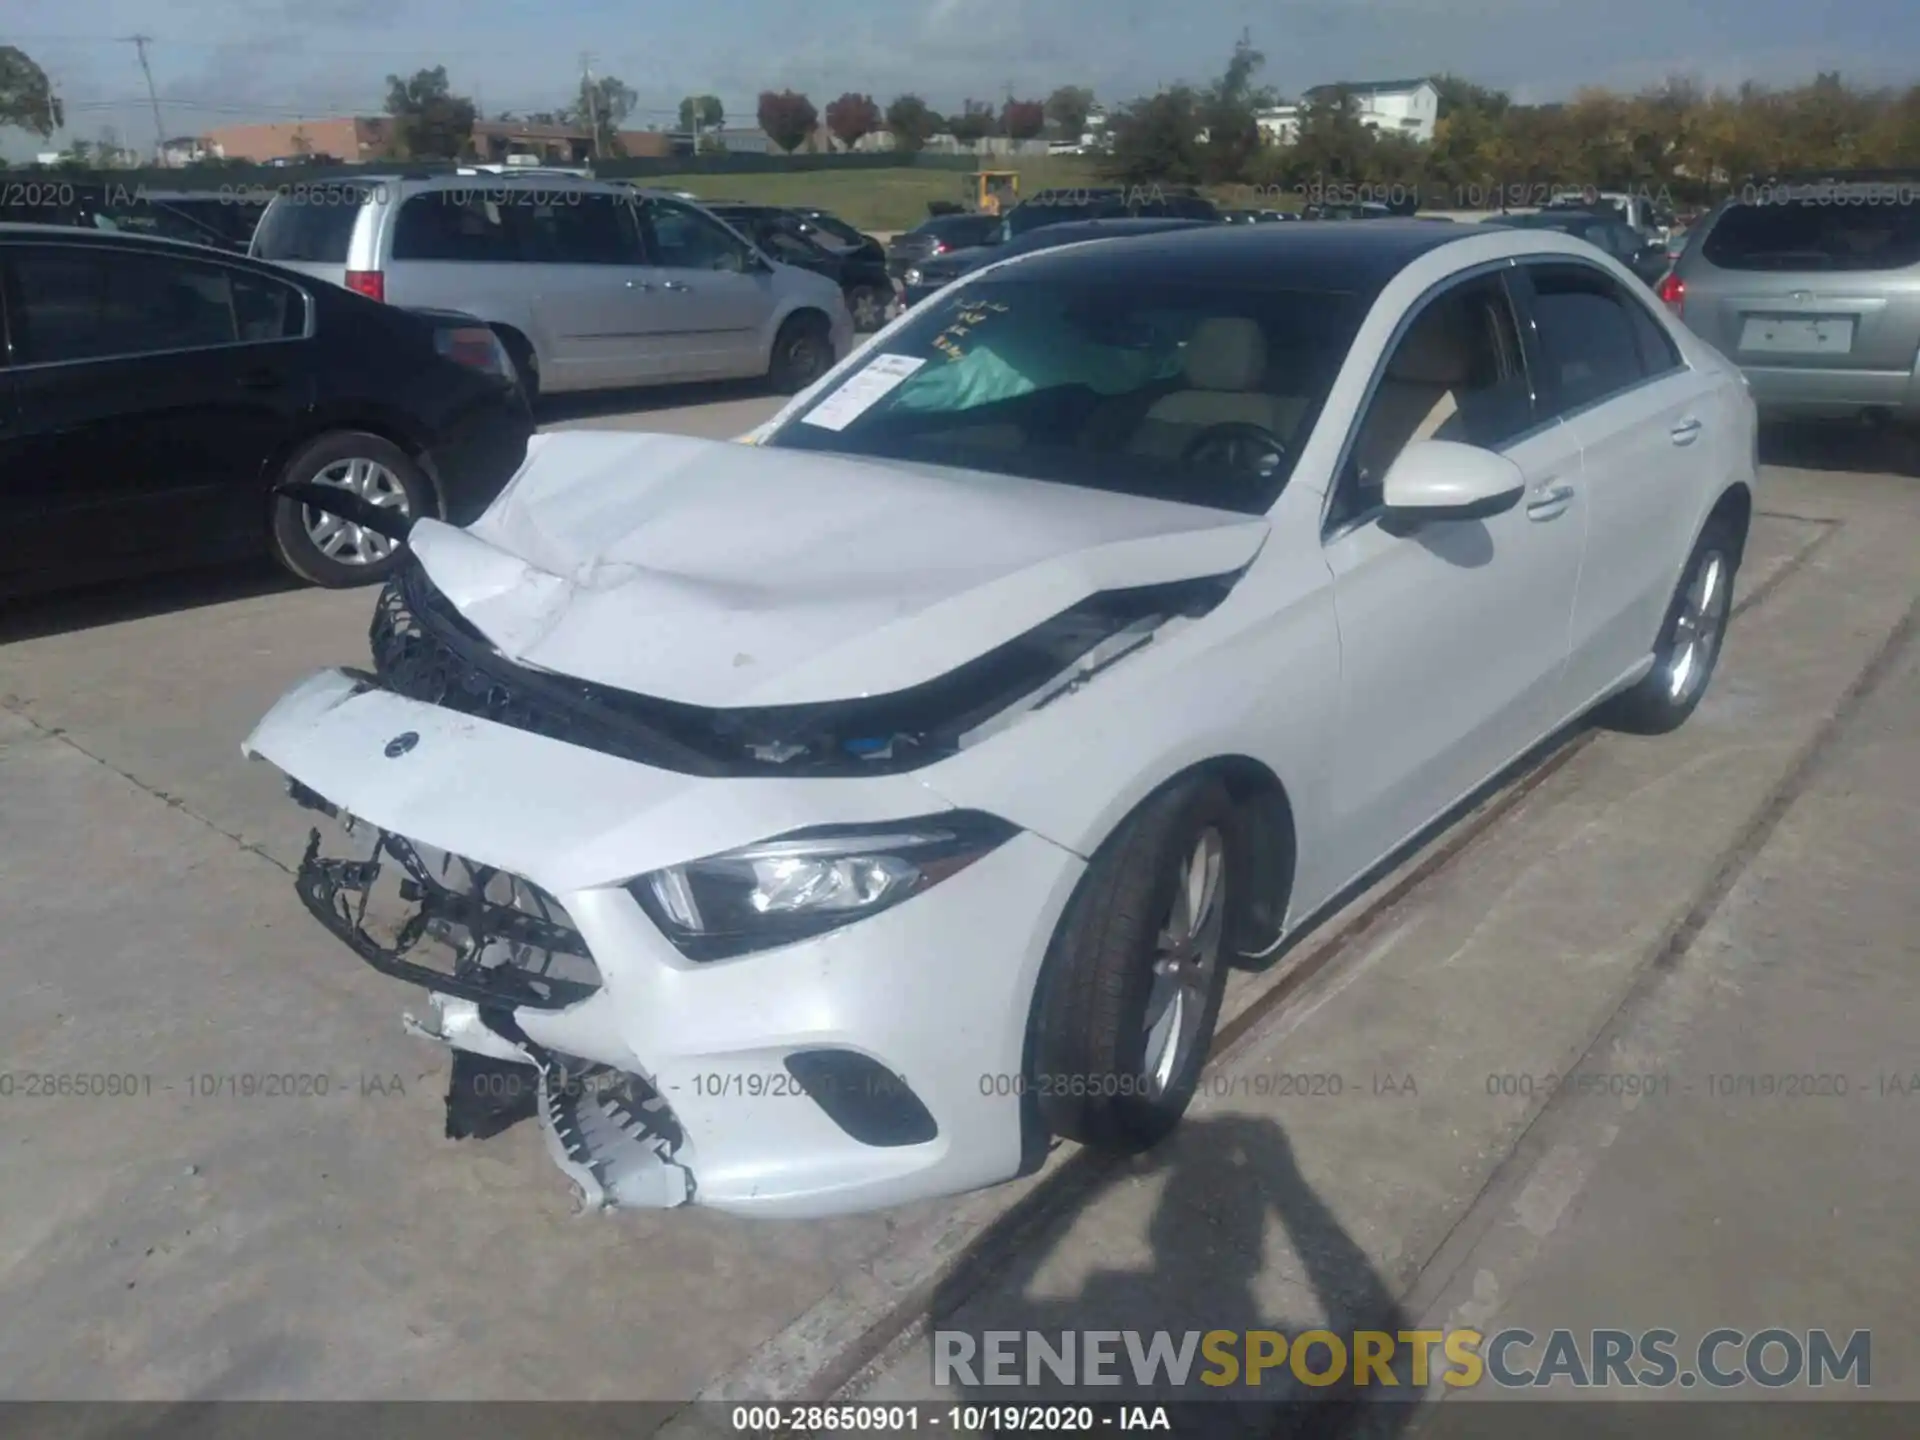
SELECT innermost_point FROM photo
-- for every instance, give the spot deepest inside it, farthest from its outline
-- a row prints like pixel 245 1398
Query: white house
pixel 1279 124
pixel 1400 107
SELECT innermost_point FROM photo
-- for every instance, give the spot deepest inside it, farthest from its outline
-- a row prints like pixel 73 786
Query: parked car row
pixel 590 284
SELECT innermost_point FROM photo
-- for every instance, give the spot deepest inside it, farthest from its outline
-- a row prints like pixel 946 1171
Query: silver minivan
pixel 590 284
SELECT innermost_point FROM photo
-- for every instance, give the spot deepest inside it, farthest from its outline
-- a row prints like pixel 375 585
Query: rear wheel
pixel 1127 1006
pixel 326 549
pixel 802 353
pixel 1689 645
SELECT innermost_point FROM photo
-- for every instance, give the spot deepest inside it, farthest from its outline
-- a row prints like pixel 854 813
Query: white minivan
pixel 590 284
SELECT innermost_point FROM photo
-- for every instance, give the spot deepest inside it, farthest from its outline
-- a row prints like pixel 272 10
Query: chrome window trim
pixel 306 305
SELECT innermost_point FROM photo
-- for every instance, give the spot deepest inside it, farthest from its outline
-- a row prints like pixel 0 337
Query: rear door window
pixel 454 225
pixel 313 225
pixel 581 228
pixel 101 304
pixel 1820 230
pixel 1590 348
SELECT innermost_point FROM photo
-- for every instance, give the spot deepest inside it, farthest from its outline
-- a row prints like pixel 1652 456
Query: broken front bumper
pixel 867 1067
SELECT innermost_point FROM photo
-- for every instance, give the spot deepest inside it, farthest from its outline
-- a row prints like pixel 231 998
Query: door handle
pixel 639 285
pixel 674 285
pixel 1550 503
pixel 1686 431
pixel 260 380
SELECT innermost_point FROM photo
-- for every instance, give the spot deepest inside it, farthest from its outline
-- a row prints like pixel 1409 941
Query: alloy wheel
pixel 1185 959
pixel 1698 627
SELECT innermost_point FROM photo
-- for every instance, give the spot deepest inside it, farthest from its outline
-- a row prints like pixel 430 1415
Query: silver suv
pixel 590 284
pixel 1812 286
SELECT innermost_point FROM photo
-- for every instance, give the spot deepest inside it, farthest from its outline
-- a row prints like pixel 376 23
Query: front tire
pixel 802 353
pixel 1127 1005
pixel 1690 637
pixel 326 550
pixel 868 306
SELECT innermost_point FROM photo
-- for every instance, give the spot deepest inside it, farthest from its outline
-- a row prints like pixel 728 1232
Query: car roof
pixel 86 235
pixel 1354 255
pixel 1068 231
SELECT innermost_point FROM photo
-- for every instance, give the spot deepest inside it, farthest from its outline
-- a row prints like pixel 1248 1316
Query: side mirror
pixel 1445 480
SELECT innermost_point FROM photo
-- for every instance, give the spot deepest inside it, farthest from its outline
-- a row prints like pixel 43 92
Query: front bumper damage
pixel 485 944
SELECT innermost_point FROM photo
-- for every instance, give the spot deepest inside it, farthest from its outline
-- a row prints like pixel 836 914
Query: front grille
pixel 445 922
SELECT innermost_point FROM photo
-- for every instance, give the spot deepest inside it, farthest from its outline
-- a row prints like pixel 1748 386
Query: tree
pixel 1157 140
pixel 27 101
pixel 975 121
pixel 702 112
pixel 1227 115
pixel 788 117
pixel 302 142
pixel 911 123
pixel 852 118
pixel 1068 108
pixel 1023 119
pixel 1457 94
pixel 430 122
pixel 603 107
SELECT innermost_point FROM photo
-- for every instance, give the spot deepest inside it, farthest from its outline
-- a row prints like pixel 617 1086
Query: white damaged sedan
pixel 821 823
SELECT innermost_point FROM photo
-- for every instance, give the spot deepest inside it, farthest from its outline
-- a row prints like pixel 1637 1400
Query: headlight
pixel 796 886
pixel 914 275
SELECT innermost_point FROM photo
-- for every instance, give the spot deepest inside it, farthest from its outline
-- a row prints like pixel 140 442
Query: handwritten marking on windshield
pixel 970 314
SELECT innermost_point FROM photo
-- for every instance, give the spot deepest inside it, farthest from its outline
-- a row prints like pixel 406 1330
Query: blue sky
pixel 226 61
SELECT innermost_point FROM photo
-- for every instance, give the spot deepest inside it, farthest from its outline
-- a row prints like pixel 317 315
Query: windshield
pixel 1189 392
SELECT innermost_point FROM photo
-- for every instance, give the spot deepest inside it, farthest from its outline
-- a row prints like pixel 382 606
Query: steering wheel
pixel 1239 446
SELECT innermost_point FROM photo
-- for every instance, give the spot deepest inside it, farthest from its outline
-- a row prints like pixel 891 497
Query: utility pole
pixel 593 102
pixel 140 43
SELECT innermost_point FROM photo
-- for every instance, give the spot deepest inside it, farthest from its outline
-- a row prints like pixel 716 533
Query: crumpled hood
pixel 723 575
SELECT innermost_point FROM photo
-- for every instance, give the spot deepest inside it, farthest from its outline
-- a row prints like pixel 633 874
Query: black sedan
pixel 942 235
pixel 165 405
pixel 931 275
pixel 782 235
pixel 1646 258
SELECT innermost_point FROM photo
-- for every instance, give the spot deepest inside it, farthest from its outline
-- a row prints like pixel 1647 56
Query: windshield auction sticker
pixel 862 392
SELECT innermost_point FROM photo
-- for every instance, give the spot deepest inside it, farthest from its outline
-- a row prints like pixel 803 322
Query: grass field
pixel 873 199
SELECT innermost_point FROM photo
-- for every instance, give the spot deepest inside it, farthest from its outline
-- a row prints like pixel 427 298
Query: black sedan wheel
pixel 329 549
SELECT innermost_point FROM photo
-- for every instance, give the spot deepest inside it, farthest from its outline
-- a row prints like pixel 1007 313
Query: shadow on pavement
pixel 1229 1187
pixel 1848 448
pixel 116 602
